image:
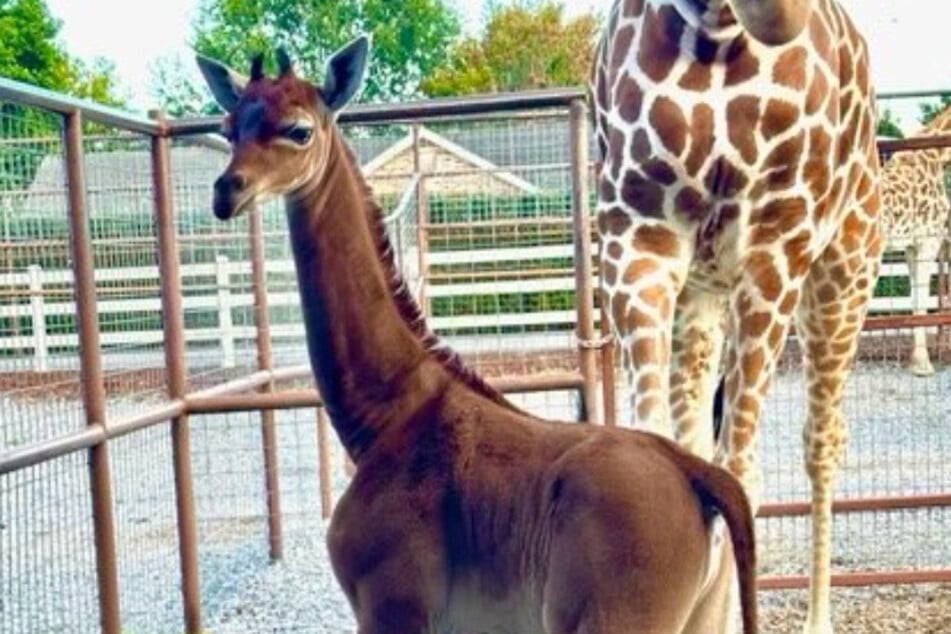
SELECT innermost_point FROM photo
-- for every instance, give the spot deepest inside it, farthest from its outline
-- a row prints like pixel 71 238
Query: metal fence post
pixel 323 463
pixel 262 320
pixel 38 316
pixel 91 375
pixel 225 322
pixel 588 345
pixel 422 218
pixel 173 319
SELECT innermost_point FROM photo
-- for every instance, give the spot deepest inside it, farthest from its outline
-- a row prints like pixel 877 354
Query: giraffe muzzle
pixel 230 190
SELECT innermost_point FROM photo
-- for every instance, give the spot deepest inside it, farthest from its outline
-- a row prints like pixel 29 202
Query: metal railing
pixel 257 390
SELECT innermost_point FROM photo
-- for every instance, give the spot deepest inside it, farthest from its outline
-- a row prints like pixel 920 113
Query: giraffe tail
pixel 718 404
pixel 718 489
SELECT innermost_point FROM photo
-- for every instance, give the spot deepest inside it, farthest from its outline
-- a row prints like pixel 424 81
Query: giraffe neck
pixel 362 353
pixel 373 358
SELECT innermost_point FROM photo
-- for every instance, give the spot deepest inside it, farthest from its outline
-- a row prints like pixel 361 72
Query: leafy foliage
pixel 525 45
pixel 31 53
pixel 410 40
pixel 888 126
pixel 931 110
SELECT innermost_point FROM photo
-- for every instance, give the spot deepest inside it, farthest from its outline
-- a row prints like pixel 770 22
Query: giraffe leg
pixel 641 308
pixel 919 257
pixel 696 349
pixel 834 301
pixel 759 321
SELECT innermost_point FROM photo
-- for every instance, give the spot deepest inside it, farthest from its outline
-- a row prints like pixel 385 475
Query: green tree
pixel 888 125
pixel 30 52
pixel 525 45
pixel 929 111
pixel 410 40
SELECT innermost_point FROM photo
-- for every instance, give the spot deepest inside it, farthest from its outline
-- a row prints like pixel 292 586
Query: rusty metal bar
pixel 854 579
pixel 858 505
pixel 454 107
pixel 43 451
pixel 323 464
pixel 894 322
pixel 422 220
pixel 608 371
pixel 29 95
pixel 91 374
pixel 890 146
pixel 584 291
pixel 262 321
pixel 157 415
pixel 173 320
pixel 297 399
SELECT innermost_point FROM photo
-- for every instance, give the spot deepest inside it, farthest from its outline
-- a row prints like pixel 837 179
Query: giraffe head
pixel 773 22
pixel 279 128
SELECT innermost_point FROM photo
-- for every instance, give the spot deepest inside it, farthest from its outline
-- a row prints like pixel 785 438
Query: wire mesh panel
pixel 47 554
pixel 146 531
pixel 38 386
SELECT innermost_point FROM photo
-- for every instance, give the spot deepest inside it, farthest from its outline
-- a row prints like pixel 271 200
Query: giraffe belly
pixel 472 611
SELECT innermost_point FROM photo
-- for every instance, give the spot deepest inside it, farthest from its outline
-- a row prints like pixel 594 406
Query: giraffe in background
pixel 739 179
pixel 915 219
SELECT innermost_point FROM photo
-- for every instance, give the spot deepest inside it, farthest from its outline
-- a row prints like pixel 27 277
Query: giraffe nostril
pixel 230 183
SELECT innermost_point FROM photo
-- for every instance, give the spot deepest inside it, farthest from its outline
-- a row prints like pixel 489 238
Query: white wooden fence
pixel 37 304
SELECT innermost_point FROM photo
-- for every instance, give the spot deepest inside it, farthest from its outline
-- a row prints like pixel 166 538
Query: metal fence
pixel 162 444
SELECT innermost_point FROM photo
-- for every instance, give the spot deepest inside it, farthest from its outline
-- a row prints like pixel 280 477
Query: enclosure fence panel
pixel 164 461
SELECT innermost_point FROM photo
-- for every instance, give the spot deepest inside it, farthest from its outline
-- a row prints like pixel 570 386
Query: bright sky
pixel 911 49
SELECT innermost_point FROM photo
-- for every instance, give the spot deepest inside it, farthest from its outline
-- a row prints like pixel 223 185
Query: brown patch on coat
pixel 659 46
pixel 669 123
pixel 790 68
pixel 742 115
pixel 656 239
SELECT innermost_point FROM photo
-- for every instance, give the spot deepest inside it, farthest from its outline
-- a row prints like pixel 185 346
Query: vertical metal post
pixel 272 488
pixel 422 218
pixel 608 377
pixel 323 463
pixel 944 298
pixel 584 292
pixel 173 319
pixel 91 375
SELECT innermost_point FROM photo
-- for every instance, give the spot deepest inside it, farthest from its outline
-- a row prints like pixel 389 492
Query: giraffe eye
pixel 298 133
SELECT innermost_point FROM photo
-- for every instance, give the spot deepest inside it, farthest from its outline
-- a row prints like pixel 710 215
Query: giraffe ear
pixel 226 85
pixel 345 71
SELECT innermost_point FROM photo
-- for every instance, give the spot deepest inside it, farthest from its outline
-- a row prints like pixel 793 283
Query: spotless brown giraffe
pixel 465 514
pixel 739 181
pixel 915 217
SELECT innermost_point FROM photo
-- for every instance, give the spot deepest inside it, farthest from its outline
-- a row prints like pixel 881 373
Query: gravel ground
pixel 899 444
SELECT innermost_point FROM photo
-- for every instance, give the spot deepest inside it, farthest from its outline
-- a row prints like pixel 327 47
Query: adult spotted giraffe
pixel 739 181
pixel 915 218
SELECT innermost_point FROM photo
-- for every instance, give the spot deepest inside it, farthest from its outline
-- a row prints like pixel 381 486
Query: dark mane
pixel 406 304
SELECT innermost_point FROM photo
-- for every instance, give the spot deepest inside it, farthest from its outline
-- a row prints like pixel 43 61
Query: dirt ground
pixel 919 609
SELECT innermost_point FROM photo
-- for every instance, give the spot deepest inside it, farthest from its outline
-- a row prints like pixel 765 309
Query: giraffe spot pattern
pixel 614 221
pixel 660 42
pixel 790 68
pixel 642 194
pixel 741 64
pixel 742 115
pixel 628 96
pixel 656 239
pixel 670 124
pixel 701 138
pixel 778 117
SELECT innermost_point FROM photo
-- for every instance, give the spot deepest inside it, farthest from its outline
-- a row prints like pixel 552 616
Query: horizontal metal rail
pixel 858 579
pixel 28 95
pixel 232 396
pixel 419 110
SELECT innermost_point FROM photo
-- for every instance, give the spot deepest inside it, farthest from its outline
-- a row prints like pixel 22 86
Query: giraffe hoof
pixel 921 366
pixel 818 628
